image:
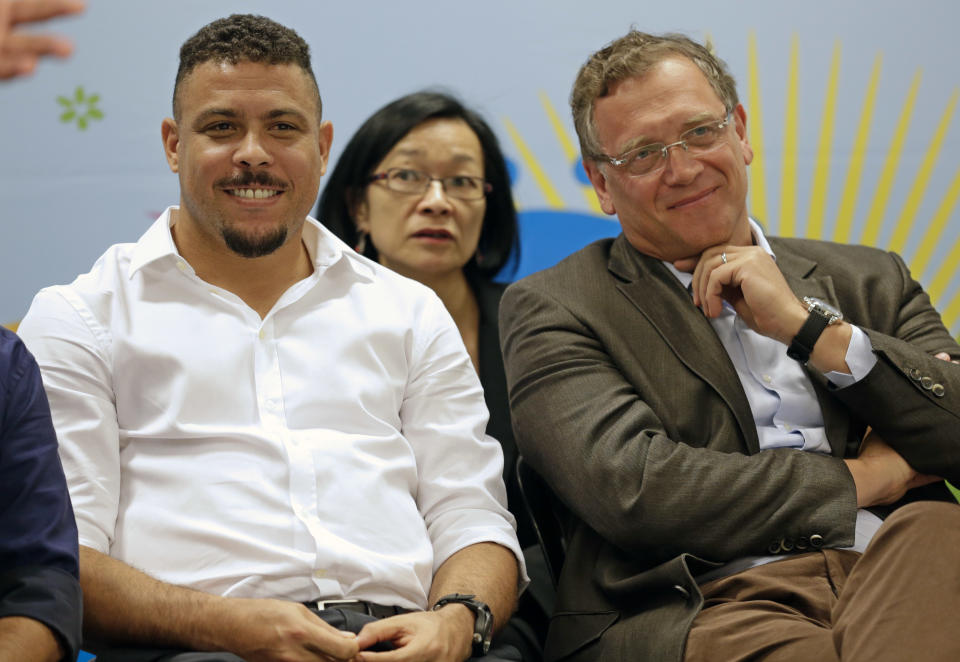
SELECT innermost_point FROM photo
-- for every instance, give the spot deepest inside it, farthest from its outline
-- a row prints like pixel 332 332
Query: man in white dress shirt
pixel 253 417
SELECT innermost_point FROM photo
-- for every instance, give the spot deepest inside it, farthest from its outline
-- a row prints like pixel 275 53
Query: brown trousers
pixel 898 601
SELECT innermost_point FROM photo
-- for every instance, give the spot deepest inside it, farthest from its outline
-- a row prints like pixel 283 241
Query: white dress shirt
pixel 333 449
pixel 781 396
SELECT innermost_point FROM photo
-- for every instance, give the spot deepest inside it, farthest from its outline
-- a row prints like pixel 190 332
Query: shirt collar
pixel 759 239
pixel 157 244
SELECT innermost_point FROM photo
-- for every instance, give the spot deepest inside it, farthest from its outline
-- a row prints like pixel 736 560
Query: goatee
pixel 245 245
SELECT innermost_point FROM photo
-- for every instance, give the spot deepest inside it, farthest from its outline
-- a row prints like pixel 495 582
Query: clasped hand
pixel 750 281
pixel 277 631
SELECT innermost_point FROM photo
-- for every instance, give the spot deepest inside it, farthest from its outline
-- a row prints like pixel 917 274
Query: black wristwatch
pixel 822 315
pixel 482 626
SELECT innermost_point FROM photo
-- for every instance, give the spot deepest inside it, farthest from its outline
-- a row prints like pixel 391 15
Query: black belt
pixel 362 606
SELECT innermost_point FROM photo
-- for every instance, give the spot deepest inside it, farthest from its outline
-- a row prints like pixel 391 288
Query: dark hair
pixel 498 245
pixel 239 38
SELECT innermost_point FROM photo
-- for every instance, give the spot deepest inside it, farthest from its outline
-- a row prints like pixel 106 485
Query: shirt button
pixel 182 266
pixel 262 334
pixel 320 574
pixel 767 379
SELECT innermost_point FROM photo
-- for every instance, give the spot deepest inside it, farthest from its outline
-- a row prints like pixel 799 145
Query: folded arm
pixel 653 486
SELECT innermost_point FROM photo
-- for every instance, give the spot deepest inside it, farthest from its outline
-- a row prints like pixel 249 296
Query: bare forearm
pixel 26 640
pixel 486 570
pixel 124 605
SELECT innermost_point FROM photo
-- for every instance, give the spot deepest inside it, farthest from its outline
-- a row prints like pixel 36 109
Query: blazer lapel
pixel 802 277
pixel 669 308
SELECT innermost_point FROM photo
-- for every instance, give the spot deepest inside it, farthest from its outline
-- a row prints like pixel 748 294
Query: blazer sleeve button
pixel 802 544
pixel 926 383
pixel 938 390
pixel 816 541
pixel 774 547
pixel 682 590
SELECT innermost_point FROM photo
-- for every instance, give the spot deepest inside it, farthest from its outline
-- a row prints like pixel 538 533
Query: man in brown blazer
pixel 719 409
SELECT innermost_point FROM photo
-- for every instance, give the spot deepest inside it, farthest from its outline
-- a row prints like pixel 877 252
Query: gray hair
pixel 633 55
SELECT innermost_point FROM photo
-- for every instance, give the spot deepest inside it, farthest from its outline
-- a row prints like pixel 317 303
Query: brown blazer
pixel 625 400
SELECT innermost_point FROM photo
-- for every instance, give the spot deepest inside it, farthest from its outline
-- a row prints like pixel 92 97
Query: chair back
pixel 547 514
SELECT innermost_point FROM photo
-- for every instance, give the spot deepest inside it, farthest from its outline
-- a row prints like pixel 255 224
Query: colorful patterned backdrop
pixel 851 109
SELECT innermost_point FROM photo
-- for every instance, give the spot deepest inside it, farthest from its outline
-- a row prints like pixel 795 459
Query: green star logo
pixel 81 108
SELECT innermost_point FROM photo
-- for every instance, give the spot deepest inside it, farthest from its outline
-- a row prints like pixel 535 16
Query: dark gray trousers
pixel 342 619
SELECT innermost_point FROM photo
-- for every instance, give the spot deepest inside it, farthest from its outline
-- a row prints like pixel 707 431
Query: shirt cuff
pixel 469 527
pixel 860 359
pixel 48 595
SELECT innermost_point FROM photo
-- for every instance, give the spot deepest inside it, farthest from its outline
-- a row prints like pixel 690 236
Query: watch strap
pixel 483 619
pixel 802 346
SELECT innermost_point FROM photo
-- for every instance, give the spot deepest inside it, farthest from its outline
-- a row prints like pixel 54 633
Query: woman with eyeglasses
pixel 422 188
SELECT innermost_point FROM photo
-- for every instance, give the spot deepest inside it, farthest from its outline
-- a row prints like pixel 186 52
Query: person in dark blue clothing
pixel 40 599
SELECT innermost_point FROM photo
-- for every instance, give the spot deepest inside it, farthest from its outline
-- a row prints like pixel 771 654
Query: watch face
pixel 823 308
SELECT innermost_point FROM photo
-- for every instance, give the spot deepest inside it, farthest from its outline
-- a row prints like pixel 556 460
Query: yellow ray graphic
pixel 788 180
pixel 533 165
pixel 569 149
pixel 948 267
pixel 821 171
pixel 758 179
pixel 952 314
pixel 12 326
pixel 851 185
pixel 885 184
pixel 915 197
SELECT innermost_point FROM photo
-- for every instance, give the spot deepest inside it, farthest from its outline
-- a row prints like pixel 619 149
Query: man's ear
pixel 326 139
pixel 740 124
pixel 171 143
pixel 599 181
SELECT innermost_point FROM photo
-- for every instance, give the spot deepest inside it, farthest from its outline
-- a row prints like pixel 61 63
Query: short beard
pixel 246 246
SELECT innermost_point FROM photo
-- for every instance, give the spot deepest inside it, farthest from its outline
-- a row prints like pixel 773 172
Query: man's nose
pixel 681 166
pixel 252 152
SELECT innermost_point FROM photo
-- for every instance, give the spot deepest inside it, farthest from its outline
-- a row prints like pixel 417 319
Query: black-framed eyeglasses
pixel 652 157
pixel 415 182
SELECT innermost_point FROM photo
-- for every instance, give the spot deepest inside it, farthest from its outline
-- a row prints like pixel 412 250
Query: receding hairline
pixel 634 55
